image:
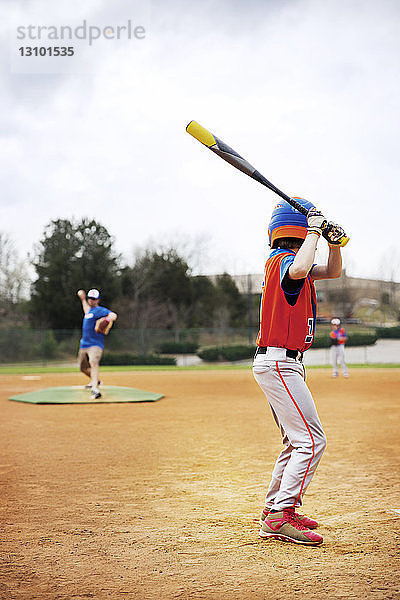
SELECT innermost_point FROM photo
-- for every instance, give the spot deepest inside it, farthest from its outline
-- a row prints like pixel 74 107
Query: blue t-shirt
pixel 89 336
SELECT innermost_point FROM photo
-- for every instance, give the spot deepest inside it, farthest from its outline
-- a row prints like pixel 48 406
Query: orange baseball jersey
pixel 288 307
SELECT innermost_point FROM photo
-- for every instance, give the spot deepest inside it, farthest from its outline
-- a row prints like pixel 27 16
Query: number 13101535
pixel 49 51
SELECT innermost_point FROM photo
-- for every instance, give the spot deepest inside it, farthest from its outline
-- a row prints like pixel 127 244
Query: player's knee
pixel 320 443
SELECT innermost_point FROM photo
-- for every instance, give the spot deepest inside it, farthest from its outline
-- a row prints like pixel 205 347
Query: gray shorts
pixel 89 357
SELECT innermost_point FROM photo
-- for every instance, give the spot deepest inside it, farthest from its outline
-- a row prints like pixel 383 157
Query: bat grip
pixel 302 209
pixel 299 207
pixel 261 179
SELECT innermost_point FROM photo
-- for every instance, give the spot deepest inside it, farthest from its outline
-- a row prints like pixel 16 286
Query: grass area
pixel 18 370
pixel 40 369
pixel 360 366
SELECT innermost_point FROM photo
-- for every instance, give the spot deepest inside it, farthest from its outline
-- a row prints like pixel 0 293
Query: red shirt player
pixel 338 338
pixel 287 325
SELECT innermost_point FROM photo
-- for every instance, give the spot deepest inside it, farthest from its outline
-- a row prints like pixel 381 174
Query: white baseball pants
pixel 337 355
pixel 282 381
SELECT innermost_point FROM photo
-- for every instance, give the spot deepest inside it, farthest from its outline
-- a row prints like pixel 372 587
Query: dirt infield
pixel 160 500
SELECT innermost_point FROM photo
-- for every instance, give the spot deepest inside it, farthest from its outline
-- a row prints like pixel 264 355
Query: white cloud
pixel 307 91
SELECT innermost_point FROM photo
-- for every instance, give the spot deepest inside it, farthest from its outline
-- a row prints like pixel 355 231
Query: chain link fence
pixel 44 345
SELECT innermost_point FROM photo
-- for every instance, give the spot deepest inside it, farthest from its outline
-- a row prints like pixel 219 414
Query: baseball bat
pixel 232 157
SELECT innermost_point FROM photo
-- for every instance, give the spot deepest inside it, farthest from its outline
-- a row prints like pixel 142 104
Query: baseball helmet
pixel 335 321
pixel 94 294
pixel 287 222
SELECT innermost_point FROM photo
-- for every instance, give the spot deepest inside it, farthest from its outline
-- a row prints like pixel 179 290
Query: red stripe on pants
pixel 308 429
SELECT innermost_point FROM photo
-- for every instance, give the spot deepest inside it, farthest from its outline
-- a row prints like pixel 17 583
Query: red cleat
pixel 285 526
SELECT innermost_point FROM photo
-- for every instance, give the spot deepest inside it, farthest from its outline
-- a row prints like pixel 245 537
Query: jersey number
pixel 310 336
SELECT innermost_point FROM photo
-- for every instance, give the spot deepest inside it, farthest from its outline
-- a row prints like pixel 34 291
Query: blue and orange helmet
pixel 287 222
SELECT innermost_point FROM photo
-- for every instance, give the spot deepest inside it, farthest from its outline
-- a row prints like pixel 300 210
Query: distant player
pixel 92 341
pixel 287 324
pixel 338 337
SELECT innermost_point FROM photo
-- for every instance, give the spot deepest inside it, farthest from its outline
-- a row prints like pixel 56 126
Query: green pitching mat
pixel 78 395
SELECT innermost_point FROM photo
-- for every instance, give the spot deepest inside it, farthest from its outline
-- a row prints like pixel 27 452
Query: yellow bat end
pixel 201 134
pixel 344 241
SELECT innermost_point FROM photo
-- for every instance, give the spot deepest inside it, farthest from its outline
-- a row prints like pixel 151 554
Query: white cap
pixel 94 294
pixel 335 321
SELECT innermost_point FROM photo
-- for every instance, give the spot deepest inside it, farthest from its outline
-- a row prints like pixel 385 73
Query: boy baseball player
pixel 287 324
pixel 92 341
pixel 338 338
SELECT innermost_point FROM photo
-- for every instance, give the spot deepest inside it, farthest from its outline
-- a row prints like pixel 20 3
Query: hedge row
pixel 388 332
pixel 232 353
pixel 177 348
pixel 126 359
pixel 355 339
pixel 229 353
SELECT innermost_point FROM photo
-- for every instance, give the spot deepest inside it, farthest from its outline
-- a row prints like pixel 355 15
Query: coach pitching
pixel 97 322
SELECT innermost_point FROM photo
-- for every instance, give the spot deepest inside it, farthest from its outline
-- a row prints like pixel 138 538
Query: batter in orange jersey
pixel 287 325
pixel 288 307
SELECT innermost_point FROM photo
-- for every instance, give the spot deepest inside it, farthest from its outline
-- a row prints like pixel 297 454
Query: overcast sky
pixel 306 90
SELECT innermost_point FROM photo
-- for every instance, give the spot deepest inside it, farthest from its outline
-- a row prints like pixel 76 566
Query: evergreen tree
pixel 205 301
pixel 69 257
pixel 157 291
pixel 231 301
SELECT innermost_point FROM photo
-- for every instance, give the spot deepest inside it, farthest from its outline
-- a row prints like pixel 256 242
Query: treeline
pixel 158 290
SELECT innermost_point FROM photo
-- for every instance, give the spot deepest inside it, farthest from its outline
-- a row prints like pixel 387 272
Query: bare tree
pixel 14 279
pixel 389 269
pixel 14 283
pixel 194 249
pixel 389 265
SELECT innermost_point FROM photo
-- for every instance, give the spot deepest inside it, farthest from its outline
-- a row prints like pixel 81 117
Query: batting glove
pixel 316 221
pixel 334 234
